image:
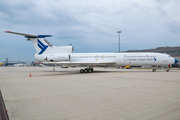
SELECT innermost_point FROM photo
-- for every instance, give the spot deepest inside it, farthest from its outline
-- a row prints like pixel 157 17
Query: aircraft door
pixel 96 57
pixel 147 59
pixel 125 60
pixel 69 57
pixel 102 57
pixel 125 57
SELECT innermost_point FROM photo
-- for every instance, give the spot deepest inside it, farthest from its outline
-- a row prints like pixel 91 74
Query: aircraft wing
pixel 84 63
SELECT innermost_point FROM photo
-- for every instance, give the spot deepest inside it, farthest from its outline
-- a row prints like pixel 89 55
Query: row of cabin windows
pixel 93 56
pixel 141 56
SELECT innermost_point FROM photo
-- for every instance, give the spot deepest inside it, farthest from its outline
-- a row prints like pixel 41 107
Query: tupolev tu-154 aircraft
pixel 63 55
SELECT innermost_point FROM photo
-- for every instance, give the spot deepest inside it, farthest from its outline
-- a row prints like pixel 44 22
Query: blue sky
pixel 90 25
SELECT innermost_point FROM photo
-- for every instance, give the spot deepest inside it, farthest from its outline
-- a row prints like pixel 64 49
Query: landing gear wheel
pixel 86 70
pixel 154 70
pixel 81 71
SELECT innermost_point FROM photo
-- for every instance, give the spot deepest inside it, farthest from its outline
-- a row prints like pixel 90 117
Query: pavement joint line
pixel 3 111
pixel 118 88
pixel 132 95
pixel 134 91
pixel 175 116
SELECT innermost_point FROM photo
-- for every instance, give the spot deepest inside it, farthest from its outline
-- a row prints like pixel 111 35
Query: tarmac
pixel 105 94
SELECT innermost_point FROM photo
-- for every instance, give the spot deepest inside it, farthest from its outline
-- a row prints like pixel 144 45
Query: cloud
pixel 93 24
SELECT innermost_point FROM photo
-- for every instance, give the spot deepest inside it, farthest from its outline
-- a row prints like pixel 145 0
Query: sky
pixel 90 25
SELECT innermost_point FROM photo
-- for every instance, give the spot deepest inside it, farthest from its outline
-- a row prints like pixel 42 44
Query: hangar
pixel 173 51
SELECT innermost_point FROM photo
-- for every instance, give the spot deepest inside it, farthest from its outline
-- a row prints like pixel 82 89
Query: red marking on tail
pixel 7 31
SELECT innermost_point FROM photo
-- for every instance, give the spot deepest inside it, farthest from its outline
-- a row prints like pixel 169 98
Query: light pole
pixel 119 39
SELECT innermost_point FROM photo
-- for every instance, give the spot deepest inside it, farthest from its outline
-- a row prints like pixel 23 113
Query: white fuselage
pixel 123 59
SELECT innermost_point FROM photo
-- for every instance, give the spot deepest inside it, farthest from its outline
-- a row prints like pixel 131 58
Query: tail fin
pixel 43 46
pixel 39 41
pixel 40 44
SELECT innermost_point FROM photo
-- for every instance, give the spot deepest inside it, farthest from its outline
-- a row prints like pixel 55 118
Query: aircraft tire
pixel 86 70
pixel 90 70
pixel 81 71
pixel 154 70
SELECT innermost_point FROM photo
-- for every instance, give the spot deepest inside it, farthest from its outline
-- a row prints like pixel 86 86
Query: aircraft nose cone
pixel 176 61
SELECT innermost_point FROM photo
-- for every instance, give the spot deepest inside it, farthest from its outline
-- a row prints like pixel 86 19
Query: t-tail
pixel 40 44
pixel 44 48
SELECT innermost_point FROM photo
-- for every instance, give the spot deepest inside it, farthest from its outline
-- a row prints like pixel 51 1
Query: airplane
pixel 63 55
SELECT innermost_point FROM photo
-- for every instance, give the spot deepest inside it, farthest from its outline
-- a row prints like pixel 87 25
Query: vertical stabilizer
pixel 42 46
pixel 39 44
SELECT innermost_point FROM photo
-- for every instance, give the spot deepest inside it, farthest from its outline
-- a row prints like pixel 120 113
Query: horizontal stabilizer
pixel 28 35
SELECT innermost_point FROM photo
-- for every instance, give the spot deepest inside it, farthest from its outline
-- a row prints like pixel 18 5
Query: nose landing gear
pixel 154 69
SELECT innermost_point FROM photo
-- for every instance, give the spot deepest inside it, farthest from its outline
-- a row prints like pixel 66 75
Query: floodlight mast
pixel 119 39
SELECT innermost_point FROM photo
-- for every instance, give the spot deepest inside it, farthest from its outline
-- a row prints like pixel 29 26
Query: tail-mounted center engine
pixel 53 57
pixel 56 58
pixel 55 54
pixel 61 49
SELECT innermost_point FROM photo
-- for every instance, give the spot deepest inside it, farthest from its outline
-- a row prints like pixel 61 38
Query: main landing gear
pixel 87 70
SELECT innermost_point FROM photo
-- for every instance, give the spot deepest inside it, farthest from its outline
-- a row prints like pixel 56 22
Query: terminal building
pixel 173 51
pixel 14 63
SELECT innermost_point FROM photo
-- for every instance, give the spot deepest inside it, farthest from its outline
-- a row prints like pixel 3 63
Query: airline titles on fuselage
pixel 140 58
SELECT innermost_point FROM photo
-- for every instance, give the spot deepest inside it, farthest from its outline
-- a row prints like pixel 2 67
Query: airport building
pixel 16 63
pixel 173 51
